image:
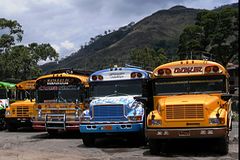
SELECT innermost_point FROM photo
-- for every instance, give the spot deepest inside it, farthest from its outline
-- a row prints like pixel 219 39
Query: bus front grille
pixel 108 112
pixel 190 111
pixel 22 111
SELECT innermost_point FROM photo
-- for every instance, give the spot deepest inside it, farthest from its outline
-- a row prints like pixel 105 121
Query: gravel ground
pixel 27 145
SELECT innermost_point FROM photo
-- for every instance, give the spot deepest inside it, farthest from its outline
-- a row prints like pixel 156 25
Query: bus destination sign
pixel 188 69
pixel 58 81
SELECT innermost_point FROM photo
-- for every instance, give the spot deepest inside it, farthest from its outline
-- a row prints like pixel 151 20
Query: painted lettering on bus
pixel 188 70
pixel 117 75
pixel 61 81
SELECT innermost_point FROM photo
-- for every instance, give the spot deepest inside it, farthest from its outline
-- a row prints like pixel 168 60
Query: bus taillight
pixel 139 75
pixel 168 71
pixel 136 75
pixel 208 69
pixel 215 69
pixel 100 77
pixel 133 75
pixel 160 72
pixel 94 77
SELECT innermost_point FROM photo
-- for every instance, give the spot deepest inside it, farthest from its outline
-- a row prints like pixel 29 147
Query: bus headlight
pixel 39 113
pixel 7 113
pixel 77 113
pixel 85 118
pixel 134 118
pixel 216 120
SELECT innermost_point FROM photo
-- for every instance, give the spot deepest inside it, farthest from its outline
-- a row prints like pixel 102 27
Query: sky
pixel 68 24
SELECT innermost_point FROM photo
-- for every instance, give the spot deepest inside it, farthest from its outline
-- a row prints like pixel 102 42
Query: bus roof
pixel 189 68
pixel 26 85
pixel 72 71
pixel 7 85
pixel 119 73
pixel 83 78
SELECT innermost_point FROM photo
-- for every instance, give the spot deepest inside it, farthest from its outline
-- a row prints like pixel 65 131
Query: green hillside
pixel 159 30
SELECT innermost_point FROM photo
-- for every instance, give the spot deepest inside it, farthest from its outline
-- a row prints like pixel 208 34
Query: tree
pixel 21 62
pixel 191 41
pixel 215 32
pixel 147 58
pixel 10 32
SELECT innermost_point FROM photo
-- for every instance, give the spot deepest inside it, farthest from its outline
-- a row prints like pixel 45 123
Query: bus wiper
pixel 196 92
pixel 62 99
pixel 183 93
pixel 117 94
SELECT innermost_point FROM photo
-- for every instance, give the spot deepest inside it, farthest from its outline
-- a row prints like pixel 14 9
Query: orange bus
pixel 190 100
pixel 60 99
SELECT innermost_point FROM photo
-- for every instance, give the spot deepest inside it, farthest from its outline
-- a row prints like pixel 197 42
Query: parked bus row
pixel 178 100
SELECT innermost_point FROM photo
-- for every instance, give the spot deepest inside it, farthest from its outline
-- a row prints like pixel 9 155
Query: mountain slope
pixel 159 30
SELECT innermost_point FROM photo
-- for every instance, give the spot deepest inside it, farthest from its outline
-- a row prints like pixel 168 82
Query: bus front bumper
pixel 66 126
pixel 21 121
pixel 186 133
pixel 111 128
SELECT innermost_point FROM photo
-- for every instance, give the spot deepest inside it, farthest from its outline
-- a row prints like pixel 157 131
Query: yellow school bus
pixel 190 100
pixel 60 99
pixel 20 112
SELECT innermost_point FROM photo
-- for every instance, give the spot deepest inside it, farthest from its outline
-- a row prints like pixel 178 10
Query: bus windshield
pixel 190 85
pixel 25 94
pixel 60 94
pixel 117 88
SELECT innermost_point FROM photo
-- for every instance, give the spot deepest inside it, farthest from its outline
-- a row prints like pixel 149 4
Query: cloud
pixel 12 8
pixel 68 24
pixel 67 45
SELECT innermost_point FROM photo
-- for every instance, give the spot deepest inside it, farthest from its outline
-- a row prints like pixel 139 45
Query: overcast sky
pixel 68 24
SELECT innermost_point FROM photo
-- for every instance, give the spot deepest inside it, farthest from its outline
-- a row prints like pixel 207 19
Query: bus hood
pixel 23 103
pixel 124 100
pixel 131 105
pixel 203 99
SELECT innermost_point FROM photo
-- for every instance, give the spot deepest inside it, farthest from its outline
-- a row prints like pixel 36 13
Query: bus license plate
pixel 107 127
pixel 184 133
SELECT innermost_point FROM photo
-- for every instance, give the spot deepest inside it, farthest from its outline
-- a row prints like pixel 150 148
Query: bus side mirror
pixel 226 97
pixel 141 99
pixel 232 90
pixel 88 100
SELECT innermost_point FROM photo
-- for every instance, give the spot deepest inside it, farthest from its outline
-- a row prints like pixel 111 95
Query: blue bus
pixel 115 106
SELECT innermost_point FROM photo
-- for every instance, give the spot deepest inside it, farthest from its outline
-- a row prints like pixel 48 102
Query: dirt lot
pixel 27 145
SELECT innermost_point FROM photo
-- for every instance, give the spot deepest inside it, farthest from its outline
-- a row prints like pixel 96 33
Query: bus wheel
pixel 88 140
pixel 2 124
pixel 52 132
pixel 154 146
pixel 223 144
pixel 12 127
pixel 137 139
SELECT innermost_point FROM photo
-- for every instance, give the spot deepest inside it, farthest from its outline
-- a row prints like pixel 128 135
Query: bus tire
pixel 2 124
pixel 138 139
pixel 11 127
pixel 52 132
pixel 154 146
pixel 88 140
pixel 223 144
